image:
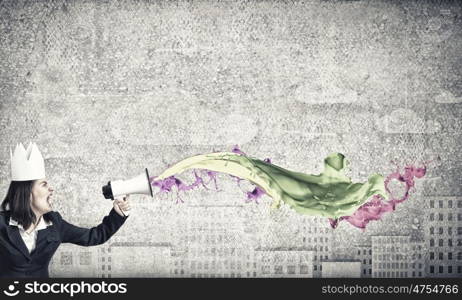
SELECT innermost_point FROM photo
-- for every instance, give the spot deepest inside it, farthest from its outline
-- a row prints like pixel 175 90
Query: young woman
pixel 31 232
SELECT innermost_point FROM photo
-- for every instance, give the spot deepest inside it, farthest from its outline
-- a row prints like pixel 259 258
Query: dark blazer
pixel 15 260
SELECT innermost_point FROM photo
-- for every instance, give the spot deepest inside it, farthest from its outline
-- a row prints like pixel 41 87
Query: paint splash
pixel 330 194
pixel 377 206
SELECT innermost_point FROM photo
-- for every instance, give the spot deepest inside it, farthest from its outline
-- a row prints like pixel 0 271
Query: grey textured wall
pixel 106 88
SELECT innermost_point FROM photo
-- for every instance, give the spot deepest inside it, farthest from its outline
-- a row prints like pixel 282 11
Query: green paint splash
pixel 330 194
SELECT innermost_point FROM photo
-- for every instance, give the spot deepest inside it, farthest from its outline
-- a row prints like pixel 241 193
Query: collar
pixel 41 225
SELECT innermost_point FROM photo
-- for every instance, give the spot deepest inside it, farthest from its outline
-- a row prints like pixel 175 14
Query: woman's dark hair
pixel 18 198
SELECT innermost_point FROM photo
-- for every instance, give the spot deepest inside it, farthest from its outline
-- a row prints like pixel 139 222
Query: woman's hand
pixel 122 205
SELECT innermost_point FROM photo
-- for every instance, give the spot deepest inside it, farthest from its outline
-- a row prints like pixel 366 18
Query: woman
pixel 30 231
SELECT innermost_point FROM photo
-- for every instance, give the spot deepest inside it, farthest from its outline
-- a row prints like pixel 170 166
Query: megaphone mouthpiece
pixel 137 185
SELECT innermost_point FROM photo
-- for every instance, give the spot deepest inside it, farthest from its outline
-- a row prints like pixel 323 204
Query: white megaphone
pixel 120 188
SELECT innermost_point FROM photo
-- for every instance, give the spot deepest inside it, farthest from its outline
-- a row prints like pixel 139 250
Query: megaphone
pixel 120 188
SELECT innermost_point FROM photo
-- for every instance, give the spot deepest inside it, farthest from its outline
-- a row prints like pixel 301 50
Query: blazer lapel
pixel 49 234
pixel 16 240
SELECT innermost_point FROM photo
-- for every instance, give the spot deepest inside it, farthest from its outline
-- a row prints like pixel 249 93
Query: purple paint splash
pixel 168 183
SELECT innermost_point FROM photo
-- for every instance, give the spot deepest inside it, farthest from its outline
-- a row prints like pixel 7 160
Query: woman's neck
pixel 34 225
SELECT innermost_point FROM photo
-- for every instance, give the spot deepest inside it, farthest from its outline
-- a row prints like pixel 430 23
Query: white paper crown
pixel 27 164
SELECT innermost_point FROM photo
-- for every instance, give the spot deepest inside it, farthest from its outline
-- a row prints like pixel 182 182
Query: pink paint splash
pixel 370 211
pixel 374 209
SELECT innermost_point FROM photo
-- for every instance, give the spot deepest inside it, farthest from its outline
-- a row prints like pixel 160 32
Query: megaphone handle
pixel 126 213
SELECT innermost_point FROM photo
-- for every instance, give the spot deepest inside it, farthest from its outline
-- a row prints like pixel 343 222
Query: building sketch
pixel 284 263
pixel 341 269
pixel 390 256
pixel 363 253
pixel 443 236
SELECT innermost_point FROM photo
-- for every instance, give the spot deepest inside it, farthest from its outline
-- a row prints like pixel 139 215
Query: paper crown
pixel 27 164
